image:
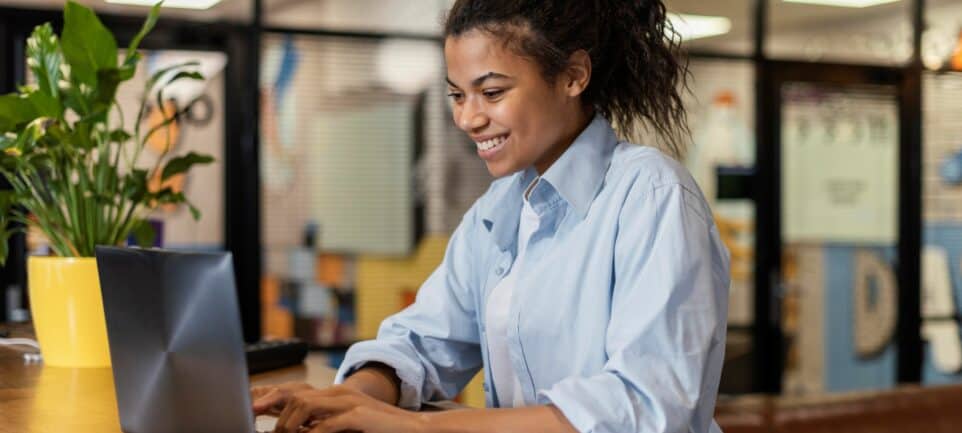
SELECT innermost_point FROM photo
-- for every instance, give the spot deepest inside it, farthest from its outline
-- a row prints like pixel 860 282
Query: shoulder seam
pixel 688 192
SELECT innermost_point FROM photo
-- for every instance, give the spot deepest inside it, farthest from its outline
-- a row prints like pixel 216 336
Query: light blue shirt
pixel 618 316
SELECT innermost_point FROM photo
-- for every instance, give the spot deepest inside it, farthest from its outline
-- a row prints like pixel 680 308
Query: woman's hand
pixel 343 409
pixel 271 399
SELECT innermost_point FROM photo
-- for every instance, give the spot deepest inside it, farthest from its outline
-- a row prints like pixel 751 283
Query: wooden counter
pixel 38 399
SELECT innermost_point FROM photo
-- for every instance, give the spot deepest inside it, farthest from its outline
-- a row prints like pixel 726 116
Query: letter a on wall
pixel 939 325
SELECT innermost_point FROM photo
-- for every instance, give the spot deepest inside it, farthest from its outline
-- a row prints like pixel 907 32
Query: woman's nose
pixel 471 118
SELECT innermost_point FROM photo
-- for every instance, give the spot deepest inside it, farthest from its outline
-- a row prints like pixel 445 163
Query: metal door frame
pixel 769 361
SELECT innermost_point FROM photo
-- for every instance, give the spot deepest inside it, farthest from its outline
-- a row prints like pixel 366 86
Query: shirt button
pixel 499 271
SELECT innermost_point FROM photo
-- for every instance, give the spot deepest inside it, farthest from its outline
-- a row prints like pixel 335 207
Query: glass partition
pixel 235 11
pixel 942 227
pixel 422 17
pixel 840 31
pixel 942 38
pixel 839 231
pixel 721 157
pixel 721 26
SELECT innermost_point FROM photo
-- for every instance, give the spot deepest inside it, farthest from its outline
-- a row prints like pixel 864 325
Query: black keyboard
pixel 273 354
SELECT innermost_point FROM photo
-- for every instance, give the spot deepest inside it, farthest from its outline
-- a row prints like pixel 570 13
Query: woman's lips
pixel 489 149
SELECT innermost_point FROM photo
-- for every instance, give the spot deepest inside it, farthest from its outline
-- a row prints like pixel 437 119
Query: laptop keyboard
pixel 265 424
pixel 269 355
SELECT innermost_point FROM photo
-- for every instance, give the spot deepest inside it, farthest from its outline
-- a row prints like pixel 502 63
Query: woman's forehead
pixel 474 54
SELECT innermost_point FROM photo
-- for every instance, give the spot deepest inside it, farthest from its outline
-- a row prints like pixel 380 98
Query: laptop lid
pixel 176 346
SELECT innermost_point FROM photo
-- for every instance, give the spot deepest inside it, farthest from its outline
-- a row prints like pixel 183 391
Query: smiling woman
pixel 494 102
pixel 589 282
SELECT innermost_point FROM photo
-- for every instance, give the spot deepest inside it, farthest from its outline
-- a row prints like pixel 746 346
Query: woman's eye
pixel 454 96
pixel 490 94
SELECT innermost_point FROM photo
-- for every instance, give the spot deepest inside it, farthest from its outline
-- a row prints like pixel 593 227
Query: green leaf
pixel 44 104
pixel 156 76
pixel 119 136
pixel 166 195
pixel 193 75
pixel 41 161
pixel 181 164
pixel 144 234
pixel 135 185
pixel 129 68
pixel 149 24
pixel 7 141
pixel 44 59
pixel 7 199
pixel 30 134
pixel 9 161
pixel 15 111
pixel 81 136
pixel 75 100
pixel 107 82
pixel 152 81
pixel 87 45
pixel 194 212
pixel 57 135
pixel 4 239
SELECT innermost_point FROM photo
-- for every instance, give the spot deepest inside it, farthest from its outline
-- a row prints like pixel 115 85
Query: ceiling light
pixel 182 4
pixel 844 3
pixel 699 26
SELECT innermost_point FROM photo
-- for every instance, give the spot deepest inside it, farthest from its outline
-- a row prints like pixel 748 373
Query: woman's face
pixel 515 117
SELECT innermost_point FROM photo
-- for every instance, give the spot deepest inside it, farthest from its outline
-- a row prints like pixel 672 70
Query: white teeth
pixel 488 144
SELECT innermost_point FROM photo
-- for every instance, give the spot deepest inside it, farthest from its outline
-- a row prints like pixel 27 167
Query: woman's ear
pixel 578 74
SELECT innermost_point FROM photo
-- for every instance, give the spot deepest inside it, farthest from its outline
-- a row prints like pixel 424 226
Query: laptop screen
pixel 176 345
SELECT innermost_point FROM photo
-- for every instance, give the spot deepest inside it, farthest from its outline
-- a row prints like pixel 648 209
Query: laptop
pixel 176 346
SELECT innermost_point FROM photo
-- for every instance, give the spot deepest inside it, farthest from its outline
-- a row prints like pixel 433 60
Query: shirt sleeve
pixel 666 335
pixel 434 344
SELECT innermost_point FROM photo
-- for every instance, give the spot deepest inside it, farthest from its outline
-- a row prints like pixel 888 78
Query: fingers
pixel 294 415
pixel 312 406
pixel 338 423
pixel 268 402
pixel 271 399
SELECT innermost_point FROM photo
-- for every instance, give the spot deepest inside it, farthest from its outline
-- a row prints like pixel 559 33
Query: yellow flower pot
pixel 68 311
pixel 73 400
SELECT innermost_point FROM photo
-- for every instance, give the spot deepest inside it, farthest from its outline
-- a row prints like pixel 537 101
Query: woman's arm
pixel 341 408
pixel 547 419
pixel 433 346
pixel 376 380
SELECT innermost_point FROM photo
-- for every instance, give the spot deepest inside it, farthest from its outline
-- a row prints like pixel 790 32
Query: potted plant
pixel 71 162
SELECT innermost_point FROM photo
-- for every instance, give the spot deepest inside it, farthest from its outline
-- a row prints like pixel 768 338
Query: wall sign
pixel 840 164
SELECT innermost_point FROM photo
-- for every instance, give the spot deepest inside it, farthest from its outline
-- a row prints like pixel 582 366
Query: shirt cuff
pixel 410 374
pixel 586 403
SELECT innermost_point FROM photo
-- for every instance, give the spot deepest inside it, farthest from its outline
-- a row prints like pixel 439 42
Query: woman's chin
pixel 499 169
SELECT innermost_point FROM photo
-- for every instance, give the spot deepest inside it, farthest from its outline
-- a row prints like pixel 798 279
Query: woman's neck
pixel 582 120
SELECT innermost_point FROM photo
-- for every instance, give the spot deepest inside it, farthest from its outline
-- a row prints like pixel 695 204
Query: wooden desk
pixel 38 399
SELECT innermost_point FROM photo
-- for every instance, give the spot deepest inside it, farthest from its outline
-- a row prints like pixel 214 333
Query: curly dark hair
pixel 638 72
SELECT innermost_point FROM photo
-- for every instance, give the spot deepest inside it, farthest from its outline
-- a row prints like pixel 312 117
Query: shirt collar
pixel 578 173
pixel 576 177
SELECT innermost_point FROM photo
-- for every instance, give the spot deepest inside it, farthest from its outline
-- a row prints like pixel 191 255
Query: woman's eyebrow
pixel 477 82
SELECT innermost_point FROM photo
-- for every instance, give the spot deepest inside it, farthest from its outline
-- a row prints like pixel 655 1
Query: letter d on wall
pixel 875 305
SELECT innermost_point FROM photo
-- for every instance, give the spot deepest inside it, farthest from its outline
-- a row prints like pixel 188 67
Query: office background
pixel 828 139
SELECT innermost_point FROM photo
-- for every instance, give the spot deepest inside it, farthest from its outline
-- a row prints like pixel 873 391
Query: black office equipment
pixel 735 183
pixel 269 355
